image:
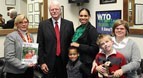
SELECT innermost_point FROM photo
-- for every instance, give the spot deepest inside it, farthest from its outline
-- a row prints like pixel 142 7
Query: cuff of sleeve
pixel 124 69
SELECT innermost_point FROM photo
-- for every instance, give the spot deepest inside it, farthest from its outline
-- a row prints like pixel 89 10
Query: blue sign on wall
pixel 106 19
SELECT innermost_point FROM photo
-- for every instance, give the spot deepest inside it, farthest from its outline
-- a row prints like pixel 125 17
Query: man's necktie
pixel 58 50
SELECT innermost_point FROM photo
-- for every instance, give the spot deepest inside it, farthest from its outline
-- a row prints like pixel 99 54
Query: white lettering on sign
pixel 106 29
pixel 104 16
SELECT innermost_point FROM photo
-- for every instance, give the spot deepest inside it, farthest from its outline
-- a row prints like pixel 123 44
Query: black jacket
pixel 88 47
pixel 9 24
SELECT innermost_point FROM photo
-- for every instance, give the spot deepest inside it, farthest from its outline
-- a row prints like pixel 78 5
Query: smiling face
pixel 84 17
pixel 106 44
pixel 73 55
pixel 23 25
pixel 21 22
pixel 120 31
pixel 55 10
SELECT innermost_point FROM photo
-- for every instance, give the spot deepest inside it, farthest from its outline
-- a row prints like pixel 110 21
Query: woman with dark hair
pixel 85 40
pixel 127 47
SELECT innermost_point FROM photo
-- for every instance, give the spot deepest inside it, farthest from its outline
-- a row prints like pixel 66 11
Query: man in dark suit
pixel 52 56
pixel 10 23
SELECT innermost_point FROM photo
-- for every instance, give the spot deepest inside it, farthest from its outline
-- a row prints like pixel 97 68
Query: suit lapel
pixel 51 27
pixel 62 28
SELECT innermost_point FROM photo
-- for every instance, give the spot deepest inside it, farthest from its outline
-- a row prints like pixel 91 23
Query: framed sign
pixel 10 2
pixel 107 1
pixel 30 17
pixel 36 18
pixel 106 19
pixel 138 14
pixel 30 8
pixel 36 7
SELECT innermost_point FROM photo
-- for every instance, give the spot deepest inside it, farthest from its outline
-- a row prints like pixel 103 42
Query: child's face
pixel 106 44
pixel 73 54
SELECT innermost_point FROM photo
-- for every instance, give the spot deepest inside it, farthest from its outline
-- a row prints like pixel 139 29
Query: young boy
pixel 108 61
pixel 74 65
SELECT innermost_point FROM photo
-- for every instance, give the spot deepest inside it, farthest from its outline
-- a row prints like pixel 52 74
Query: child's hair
pixel 101 36
pixel 72 47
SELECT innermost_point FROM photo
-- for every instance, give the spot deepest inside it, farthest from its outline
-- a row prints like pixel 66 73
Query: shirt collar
pixel 120 44
pixel 113 52
pixel 59 21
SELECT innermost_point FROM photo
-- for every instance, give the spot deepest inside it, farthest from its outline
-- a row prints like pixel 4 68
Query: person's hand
pixel 31 65
pixel 75 44
pixel 93 66
pixel 118 73
pixel 44 68
pixel 100 69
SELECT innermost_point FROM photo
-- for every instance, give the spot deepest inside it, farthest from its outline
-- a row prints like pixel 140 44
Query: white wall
pixel 138 2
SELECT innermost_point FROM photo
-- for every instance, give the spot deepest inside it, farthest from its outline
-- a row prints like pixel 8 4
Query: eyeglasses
pixel 25 22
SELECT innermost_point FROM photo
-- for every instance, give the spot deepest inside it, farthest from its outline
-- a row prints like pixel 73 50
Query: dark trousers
pixel 59 70
pixel 86 71
pixel 29 73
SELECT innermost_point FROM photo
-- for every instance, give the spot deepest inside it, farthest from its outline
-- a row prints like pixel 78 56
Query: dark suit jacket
pixel 9 24
pixel 47 41
pixel 88 47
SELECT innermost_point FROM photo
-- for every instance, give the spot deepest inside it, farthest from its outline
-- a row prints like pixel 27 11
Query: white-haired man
pixel 10 23
pixel 54 38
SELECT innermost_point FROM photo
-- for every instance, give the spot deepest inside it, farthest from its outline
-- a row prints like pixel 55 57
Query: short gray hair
pixel 55 2
pixel 13 12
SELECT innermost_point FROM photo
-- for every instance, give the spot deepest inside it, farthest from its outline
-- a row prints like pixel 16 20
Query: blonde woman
pixel 13 49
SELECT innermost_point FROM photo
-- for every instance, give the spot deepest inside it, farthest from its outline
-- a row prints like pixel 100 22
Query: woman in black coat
pixel 85 40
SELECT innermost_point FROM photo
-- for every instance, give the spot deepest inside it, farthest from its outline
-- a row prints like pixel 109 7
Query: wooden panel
pixel 136 31
pixel 125 17
pixel 125 10
pixel 7 31
pixel 45 9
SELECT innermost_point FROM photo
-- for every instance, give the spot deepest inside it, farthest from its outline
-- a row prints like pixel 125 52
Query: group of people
pixel 63 53
pixel 10 23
